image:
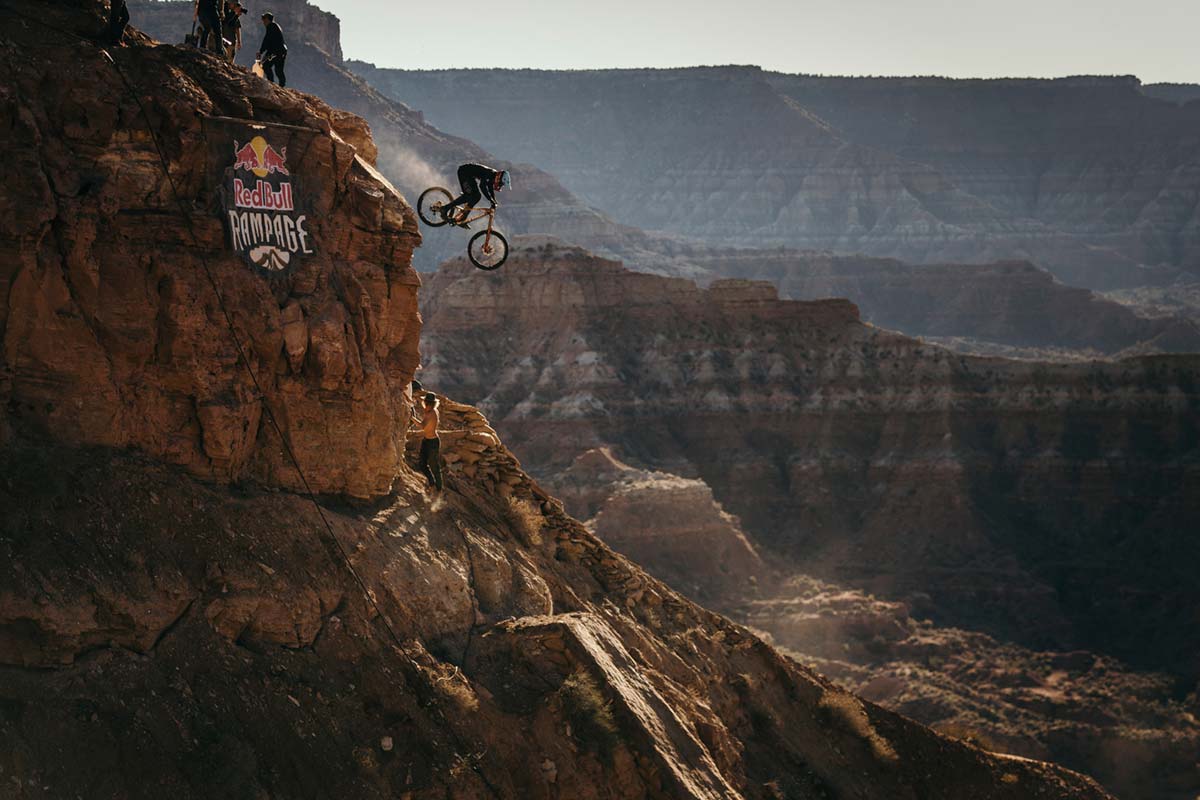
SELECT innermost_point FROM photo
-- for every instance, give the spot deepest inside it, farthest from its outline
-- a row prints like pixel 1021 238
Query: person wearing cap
pixel 232 24
pixel 477 181
pixel 272 52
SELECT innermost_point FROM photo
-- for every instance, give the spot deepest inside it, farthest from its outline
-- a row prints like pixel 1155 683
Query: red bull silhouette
pixel 273 161
pixel 260 158
pixel 244 157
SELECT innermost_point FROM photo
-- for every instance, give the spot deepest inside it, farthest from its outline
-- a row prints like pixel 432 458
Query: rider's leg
pixel 470 196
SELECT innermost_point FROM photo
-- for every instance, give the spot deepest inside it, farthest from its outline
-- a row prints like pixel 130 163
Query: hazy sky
pixel 1157 40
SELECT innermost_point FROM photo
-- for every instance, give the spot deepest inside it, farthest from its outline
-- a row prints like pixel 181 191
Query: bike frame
pixel 490 213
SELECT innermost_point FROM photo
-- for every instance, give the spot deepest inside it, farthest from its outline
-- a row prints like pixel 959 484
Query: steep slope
pixel 1033 499
pixel 728 155
pixel 171 628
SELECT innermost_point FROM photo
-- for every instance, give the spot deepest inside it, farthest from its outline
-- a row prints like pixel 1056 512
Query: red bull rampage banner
pixel 264 223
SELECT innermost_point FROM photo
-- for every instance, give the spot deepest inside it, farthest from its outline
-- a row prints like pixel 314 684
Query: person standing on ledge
pixel 232 28
pixel 430 462
pixel 118 18
pixel 208 12
pixel 272 52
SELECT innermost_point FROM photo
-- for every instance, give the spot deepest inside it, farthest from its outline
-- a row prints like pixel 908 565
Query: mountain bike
pixel 487 249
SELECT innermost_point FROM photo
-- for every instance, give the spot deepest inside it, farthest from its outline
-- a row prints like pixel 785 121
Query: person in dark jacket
pixel 118 18
pixel 272 52
pixel 209 13
pixel 231 25
pixel 477 181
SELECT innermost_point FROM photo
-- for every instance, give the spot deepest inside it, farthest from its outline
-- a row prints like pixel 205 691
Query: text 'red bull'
pixel 263 196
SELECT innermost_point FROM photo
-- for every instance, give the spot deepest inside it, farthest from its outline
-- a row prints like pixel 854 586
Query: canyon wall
pixel 1014 304
pixel 736 156
pixel 1051 503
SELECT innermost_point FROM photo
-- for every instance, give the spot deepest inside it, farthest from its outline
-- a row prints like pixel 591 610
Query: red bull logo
pixel 259 157
pixel 265 223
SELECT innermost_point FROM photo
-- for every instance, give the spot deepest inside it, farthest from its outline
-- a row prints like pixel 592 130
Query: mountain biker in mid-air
pixel 477 181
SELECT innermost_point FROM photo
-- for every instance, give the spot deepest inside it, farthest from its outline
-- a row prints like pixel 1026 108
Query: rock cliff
pixel 112 332
pixel 174 621
pixel 1033 499
pixel 1094 184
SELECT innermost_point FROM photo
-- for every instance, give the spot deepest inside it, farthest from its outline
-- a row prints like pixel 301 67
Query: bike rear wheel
pixel 488 253
pixel 430 203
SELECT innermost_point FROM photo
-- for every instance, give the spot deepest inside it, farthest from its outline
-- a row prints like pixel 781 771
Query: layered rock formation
pixel 170 627
pixel 1034 499
pixel 1093 183
pixel 670 525
pixel 1097 158
pixel 1012 304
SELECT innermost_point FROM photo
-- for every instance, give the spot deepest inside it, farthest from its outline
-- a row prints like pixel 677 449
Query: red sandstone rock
pixel 112 333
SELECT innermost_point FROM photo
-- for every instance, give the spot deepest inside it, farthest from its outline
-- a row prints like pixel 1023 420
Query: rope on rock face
pixel 187 218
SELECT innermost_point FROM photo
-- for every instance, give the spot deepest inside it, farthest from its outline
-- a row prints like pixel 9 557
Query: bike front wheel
pixel 488 250
pixel 430 204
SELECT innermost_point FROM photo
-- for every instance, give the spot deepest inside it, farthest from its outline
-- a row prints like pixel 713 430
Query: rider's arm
pixel 486 187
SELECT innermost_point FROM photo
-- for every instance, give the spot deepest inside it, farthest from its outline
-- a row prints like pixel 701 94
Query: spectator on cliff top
pixel 208 13
pixel 476 181
pixel 272 52
pixel 232 25
pixel 118 18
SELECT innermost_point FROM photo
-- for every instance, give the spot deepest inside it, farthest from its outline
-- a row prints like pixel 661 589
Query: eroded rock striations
pixel 1088 178
pixel 172 624
pixel 1035 499
pixel 668 524
pixel 1012 304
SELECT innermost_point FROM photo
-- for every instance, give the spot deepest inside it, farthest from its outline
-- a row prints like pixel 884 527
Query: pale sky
pixel 1157 40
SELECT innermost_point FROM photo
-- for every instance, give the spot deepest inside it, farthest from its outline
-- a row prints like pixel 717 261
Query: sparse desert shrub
pixel 957 729
pixel 845 712
pixel 589 713
pixel 526 519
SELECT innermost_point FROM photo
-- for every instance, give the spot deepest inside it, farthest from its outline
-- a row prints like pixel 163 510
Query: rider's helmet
pixel 505 179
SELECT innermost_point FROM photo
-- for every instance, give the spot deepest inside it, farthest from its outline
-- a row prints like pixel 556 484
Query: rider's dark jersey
pixel 486 177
